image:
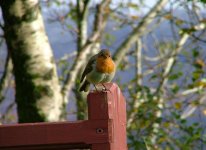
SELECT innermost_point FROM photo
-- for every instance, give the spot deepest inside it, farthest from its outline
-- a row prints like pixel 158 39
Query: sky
pixel 148 3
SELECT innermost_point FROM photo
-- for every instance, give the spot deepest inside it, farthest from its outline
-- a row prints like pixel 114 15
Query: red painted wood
pixel 53 133
pixel 104 130
pixel 110 105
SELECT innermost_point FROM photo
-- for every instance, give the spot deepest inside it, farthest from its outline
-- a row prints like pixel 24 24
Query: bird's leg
pixel 95 87
pixel 105 88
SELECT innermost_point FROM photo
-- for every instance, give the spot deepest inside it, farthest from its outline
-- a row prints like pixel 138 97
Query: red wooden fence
pixel 105 128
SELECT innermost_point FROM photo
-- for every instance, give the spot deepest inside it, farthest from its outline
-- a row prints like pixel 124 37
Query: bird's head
pixel 104 53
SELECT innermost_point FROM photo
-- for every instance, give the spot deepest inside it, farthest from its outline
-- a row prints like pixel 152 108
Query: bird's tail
pixel 85 86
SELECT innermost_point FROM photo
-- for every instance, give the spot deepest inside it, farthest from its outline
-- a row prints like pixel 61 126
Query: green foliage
pixel 72 14
pixel 156 105
pixel 155 111
pixel 158 122
pixel 175 76
pixel 187 31
pixel 202 1
pixel 63 66
pixel 109 39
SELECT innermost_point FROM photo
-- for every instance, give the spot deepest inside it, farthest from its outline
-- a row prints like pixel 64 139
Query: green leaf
pixel 197 74
pixel 175 89
pixel 133 5
pixel 203 1
pixel 109 39
pixel 195 53
pixel 154 76
pixel 175 76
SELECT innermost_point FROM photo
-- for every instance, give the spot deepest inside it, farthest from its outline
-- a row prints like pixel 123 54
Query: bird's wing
pixel 88 67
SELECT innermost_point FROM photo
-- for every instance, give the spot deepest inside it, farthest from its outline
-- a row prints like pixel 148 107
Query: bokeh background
pixel 159 48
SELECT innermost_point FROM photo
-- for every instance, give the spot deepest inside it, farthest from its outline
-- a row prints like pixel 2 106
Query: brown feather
pixel 85 86
pixel 88 67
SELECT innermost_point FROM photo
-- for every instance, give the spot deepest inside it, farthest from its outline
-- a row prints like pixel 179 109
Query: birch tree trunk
pixel 38 94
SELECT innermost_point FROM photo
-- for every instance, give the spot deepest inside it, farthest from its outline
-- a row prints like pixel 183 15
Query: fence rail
pixel 105 128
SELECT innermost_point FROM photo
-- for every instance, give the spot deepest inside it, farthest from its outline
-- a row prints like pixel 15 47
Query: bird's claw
pixel 103 89
pixel 106 90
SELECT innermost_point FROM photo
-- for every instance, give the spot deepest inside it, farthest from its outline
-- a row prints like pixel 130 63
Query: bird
pixel 100 69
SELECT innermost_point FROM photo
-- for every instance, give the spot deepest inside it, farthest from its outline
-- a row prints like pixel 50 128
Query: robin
pixel 99 69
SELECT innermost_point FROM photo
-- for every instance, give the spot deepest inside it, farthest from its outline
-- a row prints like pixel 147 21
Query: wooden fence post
pixel 105 128
pixel 110 106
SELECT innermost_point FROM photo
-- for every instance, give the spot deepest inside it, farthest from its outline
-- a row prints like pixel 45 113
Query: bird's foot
pixel 102 88
pixel 96 89
pixel 105 88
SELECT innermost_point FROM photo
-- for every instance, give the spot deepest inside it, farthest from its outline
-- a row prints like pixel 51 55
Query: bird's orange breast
pixel 105 65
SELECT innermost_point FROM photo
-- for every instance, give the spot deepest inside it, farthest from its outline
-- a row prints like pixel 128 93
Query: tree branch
pixel 5 115
pixel 5 76
pixel 172 59
pixel 138 31
pixel 139 62
pixel 138 68
pixel 82 13
pixel 124 47
pixel 81 59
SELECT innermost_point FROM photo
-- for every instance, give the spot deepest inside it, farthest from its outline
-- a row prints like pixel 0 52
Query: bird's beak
pixel 105 56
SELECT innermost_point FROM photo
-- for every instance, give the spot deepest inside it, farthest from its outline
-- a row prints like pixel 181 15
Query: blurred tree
pixel 38 95
pixel 164 66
